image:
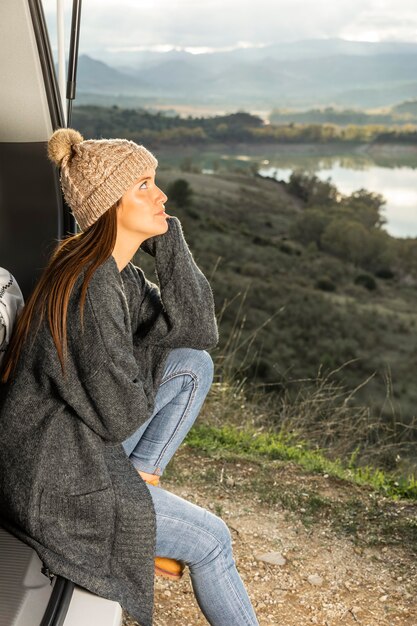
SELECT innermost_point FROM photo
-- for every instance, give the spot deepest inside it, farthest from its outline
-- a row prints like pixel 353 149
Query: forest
pixel 157 129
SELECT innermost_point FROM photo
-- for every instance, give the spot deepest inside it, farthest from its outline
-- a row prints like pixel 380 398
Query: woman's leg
pixel 190 533
pixel 186 380
pixel 185 531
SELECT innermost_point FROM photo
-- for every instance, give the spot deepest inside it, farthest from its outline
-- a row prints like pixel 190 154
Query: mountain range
pixel 298 75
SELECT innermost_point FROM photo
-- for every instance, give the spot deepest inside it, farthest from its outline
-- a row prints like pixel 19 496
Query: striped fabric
pixel 11 303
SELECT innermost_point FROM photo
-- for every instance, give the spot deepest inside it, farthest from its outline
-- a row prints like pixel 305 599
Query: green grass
pixel 253 444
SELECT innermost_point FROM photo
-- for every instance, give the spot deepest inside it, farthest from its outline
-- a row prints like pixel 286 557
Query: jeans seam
pixel 242 604
pixel 174 374
pixel 183 416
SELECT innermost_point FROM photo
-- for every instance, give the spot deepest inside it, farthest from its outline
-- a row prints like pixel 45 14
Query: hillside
pixel 288 310
pixel 344 553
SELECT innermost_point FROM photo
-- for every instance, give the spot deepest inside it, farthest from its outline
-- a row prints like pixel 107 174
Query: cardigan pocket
pixel 79 527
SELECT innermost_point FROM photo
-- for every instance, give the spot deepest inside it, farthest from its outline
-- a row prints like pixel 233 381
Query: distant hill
pixel 406 108
pixel 405 113
pixel 306 74
pixel 285 51
pixel 97 77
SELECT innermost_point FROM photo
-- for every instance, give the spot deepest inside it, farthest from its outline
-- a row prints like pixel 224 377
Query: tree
pixel 180 192
pixel 312 190
pixel 348 240
pixel 310 226
pixel 406 256
pixel 365 207
pixel 351 241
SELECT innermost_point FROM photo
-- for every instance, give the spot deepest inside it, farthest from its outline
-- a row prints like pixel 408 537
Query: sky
pixel 216 25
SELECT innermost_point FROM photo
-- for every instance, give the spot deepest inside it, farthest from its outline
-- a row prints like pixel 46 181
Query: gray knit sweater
pixel 66 485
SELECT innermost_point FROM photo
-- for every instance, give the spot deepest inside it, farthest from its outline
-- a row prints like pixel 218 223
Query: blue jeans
pixel 185 531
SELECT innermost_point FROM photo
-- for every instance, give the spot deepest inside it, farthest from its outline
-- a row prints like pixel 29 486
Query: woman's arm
pixel 180 312
pixel 106 390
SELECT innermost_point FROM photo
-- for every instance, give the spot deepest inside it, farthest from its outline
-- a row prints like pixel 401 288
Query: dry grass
pixel 319 411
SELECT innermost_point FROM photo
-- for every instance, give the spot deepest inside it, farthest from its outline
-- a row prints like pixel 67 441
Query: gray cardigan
pixel 66 486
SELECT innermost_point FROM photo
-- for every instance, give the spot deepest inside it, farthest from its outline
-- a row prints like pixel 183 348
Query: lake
pixel 390 170
pixel 398 185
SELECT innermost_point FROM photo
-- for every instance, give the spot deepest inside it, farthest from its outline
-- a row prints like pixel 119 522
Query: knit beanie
pixel 95 173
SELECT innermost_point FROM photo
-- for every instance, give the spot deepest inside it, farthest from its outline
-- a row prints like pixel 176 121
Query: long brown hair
pixel 53 289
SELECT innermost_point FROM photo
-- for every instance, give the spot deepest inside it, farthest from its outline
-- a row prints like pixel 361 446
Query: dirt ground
pixel 350 555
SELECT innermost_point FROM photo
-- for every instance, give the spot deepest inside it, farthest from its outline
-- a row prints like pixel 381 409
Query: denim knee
pixel 197 363
pixel 222 532
pixel 203 366
pixel 220 541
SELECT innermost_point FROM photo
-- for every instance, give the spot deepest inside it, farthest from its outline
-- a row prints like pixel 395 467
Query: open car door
pixel 33 217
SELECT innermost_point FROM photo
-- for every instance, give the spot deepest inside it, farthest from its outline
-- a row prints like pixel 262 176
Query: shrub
pixel 367 281
pixel 325 284
pixel 261 241
pixel 288 248
pixel 193 213
pixel 310 226
pixel 385 272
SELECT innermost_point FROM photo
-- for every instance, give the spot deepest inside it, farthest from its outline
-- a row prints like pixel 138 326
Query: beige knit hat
pixel 95 173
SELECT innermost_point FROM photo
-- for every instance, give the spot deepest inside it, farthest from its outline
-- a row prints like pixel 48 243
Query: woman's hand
pixel 148 245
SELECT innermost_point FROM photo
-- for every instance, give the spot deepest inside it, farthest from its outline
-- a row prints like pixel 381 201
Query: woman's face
pixel 141 209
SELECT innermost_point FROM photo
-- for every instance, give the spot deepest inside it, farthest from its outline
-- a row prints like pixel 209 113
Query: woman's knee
pixel 204 366
pixel 215 539
pixel 220 530
pixel 198 363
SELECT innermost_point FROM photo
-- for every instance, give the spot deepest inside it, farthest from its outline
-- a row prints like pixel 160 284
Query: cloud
pixel 222 23
pixel 388 20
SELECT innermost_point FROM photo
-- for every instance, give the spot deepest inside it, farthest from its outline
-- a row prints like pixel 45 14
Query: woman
pixel 104 375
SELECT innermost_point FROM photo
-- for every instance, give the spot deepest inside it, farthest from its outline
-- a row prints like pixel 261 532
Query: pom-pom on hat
pixel 95 173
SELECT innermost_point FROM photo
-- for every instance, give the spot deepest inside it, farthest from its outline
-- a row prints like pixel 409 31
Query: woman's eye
pixel 145 182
